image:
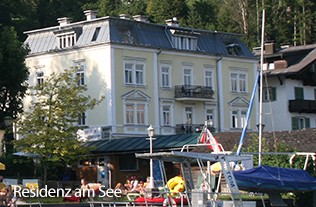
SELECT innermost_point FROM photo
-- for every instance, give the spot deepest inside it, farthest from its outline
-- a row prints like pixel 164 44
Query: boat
pixel 267 179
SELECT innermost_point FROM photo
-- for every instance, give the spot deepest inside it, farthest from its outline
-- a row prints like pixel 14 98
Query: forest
pixel 287 22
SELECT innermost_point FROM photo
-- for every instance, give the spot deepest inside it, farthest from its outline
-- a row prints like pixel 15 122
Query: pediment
pixel 239 102
pixel 136 95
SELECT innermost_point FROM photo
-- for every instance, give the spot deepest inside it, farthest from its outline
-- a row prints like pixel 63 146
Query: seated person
pixel 5 193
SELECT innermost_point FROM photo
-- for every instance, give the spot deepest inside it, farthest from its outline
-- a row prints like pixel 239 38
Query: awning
pixel 2 166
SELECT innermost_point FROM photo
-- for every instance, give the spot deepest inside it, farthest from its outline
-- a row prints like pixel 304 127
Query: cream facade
pixel 171 77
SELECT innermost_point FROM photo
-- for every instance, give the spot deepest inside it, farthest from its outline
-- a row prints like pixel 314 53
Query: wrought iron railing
pixel 193 91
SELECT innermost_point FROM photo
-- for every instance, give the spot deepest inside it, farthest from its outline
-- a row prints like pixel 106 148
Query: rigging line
pixel 271 113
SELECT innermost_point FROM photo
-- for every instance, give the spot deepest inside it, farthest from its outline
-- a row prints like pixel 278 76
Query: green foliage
pixel 49 127
pixel 13 73
pixel 202 15
pixel 280 160
pixel 133 7
pixel 161 10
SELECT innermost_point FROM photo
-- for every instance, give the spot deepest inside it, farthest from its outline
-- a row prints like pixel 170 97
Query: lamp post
pixel 6 121
pixel 151 131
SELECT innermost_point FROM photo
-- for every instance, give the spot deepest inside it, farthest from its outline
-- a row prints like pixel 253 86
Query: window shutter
pixel 307 123
pixel 273 95
pixel 299 93
pixel 294 123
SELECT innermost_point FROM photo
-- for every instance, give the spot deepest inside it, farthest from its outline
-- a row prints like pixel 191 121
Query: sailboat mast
pixel 261 90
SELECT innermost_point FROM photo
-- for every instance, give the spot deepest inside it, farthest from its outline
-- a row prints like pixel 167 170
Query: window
pixel 82 119
pixel 209 115
pixel 300 123
pixel 185 43
pixel 96 34
pixel 135 113
pixel 39 78
pixel 233 48
pixel 299 93
pixel 187 76
pixel 134 73
pixel 188 114
pixel 80 75
pixel 238 82
pixel 128 162
pixel 139 73
pixel 166 113
pixel 140 111
pixel 67 40
pixel 208 74
pixel 165 76
pixel 269 94
pixel 238 118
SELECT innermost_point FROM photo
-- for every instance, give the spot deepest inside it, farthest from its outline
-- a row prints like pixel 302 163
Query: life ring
pixel 168 201
pixel 175 185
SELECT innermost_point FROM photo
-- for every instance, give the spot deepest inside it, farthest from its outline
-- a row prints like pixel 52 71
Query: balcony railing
pixel 193 91
pixel 302 106
pixel 191 128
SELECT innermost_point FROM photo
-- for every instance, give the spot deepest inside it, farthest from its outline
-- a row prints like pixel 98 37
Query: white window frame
pixel 209 112
pixel 238 118
pixel 166 115
pixel 188 115
pixel 81 74
pixel 187 75
pixel 185 42
pixel 82 119
pixel 165 76
pixel 67 40
pixel 238 84
pixel 134 75
pixel 39 77
pixel 208 78
pixel 135 115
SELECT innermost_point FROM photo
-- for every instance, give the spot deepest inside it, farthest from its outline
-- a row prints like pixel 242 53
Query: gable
pixel 135 95
pixel 239 102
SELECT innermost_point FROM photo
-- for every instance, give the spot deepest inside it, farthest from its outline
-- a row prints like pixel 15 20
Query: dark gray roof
pixel 141 144
pixel 308 59
pixel 124 31
pixel 298 140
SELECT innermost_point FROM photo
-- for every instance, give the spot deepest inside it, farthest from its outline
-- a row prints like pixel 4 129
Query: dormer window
pixel 185 43
pixel 183 39
pixel 96 34
pixel 67 39
pixel 233 48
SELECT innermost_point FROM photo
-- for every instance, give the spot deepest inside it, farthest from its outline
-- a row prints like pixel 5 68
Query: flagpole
pixel 261 91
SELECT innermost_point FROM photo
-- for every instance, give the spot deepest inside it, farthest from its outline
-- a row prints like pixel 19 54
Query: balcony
pixel 193 92
pixel 191 128
pixel 302 106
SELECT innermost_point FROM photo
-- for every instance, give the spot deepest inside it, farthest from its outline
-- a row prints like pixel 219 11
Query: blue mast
pixel 244 130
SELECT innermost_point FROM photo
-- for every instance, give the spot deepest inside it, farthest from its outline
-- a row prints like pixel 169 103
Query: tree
pixel 280 160
pixel 161 10
pixel 13 73
pixel 202 15
pixel 49 128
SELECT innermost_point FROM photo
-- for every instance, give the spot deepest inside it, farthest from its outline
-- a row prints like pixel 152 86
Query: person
pixel 3 192
pixel 85 189
pixel 5 196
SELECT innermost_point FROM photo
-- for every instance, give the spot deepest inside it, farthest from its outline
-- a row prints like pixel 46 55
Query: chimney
pixel 280 64
pixel 269 48
pixel 172 22
pixel 64 21
pixel 124 16
pixel 90 14
pixel 140 18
